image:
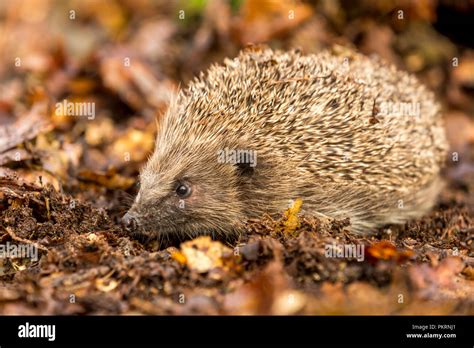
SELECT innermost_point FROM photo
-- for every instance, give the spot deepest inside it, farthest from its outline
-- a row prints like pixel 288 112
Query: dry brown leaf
pixel 262 20
pixel 38 178
pixel 14 155
pixel 135 81
pixel 100 132
pixel 262 295
pixel 133 145
pixel 443 281
pixel 25 128
pixel 203 254
pixel 178 256
pixel 57 157
pixel 291 221
pixel 109 179
pixel 468 272
pixel 106 285
pixel 459 130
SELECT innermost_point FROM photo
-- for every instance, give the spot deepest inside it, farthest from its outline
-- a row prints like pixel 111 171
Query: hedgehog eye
pixel 183 190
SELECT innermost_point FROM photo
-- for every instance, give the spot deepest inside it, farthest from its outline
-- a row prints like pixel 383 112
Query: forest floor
pixel 65 182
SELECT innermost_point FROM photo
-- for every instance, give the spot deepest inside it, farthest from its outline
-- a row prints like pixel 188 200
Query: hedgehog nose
pixel 129 221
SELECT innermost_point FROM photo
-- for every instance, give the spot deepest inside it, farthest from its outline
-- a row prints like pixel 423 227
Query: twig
pixel 22 240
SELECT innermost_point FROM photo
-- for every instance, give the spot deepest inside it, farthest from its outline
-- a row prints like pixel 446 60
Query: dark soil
pixel 89 265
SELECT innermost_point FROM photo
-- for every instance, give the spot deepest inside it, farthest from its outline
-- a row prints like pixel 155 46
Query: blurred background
pixel 124 59
pixel 127 57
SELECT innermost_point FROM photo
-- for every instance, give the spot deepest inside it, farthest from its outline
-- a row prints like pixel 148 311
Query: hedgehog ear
pixel 244 169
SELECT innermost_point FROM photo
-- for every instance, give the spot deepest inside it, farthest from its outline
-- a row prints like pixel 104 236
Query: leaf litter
pixel 65 181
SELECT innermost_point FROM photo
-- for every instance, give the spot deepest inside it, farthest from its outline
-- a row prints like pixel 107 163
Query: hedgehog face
pixel 188 194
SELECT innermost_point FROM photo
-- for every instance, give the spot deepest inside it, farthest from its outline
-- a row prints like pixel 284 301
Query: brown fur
pixel 316 126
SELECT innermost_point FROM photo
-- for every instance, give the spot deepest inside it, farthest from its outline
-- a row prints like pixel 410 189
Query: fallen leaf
pixel 106 285
pixel 25 128
pixel 100 132
pixel 263 294
pixel 133 145
pixel 178 256
pixel 387 251
pixel 443 281
pixel 290 221
pixel 14 155
pixel 109 179
pixel 203 254
pixel 261 20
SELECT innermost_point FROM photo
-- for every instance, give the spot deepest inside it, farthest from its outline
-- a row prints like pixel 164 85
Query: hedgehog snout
pixel 129 221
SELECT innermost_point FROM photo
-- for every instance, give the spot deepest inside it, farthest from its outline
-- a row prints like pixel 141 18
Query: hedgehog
pixel 350 135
